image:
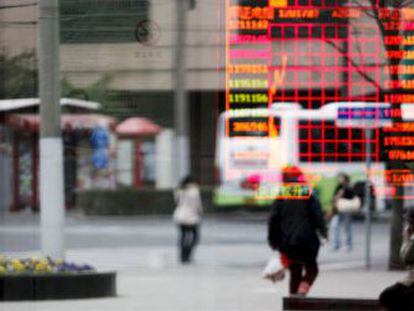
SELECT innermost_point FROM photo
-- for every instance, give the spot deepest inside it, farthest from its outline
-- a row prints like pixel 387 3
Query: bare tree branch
pixel 355 65
pixel 367 10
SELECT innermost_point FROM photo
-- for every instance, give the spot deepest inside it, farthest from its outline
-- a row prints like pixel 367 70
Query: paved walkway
pixel 196 288
pixel 226 276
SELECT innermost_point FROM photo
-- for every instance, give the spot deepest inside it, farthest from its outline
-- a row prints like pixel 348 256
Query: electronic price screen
pixel 318 52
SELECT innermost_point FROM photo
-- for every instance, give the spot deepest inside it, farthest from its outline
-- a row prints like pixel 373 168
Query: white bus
pixel 257 143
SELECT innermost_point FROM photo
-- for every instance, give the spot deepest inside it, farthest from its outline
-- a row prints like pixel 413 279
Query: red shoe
pixel 304 288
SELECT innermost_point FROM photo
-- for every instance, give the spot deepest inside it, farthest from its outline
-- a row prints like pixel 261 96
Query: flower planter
pixel 23 287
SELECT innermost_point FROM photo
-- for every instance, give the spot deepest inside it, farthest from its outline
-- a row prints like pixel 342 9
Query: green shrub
pixel 145 201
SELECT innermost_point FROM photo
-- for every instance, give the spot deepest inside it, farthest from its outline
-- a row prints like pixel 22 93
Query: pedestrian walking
pixel 344 204
pixel 187 216
pixel 400 296
pixel 294 227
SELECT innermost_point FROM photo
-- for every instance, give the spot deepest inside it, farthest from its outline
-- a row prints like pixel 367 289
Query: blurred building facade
pixel 133 43
pixel 136 48
pixel 104 38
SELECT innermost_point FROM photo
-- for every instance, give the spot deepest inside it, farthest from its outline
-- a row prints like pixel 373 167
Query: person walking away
pixel 187 216
pixel 400 297
pixel 294 227
pixel 342 191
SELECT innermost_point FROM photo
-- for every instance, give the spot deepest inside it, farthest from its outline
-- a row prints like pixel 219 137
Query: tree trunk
pixel 396 228
pixel 396 222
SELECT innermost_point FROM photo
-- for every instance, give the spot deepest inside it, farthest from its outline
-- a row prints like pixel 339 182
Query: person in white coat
pixel 187 216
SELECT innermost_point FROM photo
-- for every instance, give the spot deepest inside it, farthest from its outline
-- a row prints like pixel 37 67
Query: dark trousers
pixel 398 297
pixel 189 236
pixel 302 272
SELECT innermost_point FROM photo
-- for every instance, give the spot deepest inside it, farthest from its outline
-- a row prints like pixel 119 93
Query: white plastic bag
pixel 274 270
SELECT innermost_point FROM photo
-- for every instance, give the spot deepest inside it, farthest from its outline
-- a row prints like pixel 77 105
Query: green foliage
pixel 19 79
pixel 18 76
pixel 147 201
pixel 126 202
pixel 97 91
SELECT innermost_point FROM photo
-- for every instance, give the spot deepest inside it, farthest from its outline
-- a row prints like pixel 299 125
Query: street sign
pixel 364 117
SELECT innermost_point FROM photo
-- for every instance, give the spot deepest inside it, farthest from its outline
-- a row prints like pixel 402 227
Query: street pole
pixel 52 211
pixel 368 215
pixel 181 111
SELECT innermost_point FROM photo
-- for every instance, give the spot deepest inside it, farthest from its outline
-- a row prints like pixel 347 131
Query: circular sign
pixel 147 32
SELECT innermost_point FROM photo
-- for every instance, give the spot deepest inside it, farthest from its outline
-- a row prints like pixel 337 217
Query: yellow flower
pixel 17 265
pixel 40 267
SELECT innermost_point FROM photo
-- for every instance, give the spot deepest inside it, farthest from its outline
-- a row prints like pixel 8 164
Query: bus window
pixel 322 141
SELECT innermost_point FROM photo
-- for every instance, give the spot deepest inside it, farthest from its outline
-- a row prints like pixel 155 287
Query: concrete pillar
pixel 164 153
pixel 124 166
pixel 52 197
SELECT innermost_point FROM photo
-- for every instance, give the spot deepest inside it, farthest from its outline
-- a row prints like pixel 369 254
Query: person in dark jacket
pixel 293 229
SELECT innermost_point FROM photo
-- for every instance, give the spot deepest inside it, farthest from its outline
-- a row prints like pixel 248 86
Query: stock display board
pixel 294 53
pixel 318 52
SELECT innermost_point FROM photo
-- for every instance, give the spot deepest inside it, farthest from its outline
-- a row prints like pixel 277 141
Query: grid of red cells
pixel 324 64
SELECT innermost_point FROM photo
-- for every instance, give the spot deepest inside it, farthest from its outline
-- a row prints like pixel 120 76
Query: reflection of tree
pixel 356 65
pixel 391 24
pixel 388 15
